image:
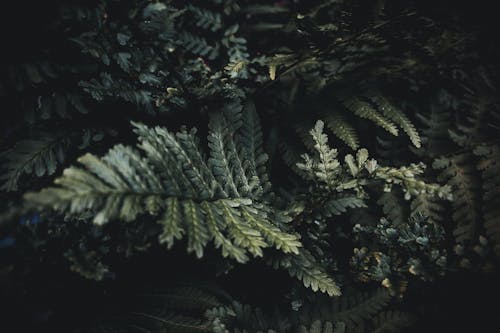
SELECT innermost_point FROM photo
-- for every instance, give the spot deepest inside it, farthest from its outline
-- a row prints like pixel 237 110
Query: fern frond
pixel 198 45
pixel 205 18
pixel 393 207
pixel 327 167
pixel 180 299
pixel 458 172
pixel 174 310
pixel 290 154
pixel 342 129
pixel 364 109
pixel 348 312
pixel 398 117
pixel 391 149
pixel 264 9
pixel 340 205
pixel 489 166
pixel 406 177
pixel 225 160
pixel 171 322
pixel 203 200
pixel 304 267
pixel 251 142
pixel 303 131
pixel 318 326
pixel 354 309
pixel 326 172
pixel 39 157
pixel 435 137
pixel 392 321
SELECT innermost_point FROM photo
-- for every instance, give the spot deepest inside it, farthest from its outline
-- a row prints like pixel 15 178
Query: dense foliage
pixel 246 166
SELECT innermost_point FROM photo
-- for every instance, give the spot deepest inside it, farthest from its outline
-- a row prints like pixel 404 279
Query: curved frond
pixel 171 180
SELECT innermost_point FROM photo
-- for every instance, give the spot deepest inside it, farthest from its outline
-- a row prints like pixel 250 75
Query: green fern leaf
pixel 217 199
pixel 489 166
pixel 353 310
pixel 327 167
pixel 429 207
pixel 198 45
pixel 458 172
pixel 318 326
pixel 251 142
pixel 342 129
pixel 393 207
pixel 392 321
pixel 340 205
pixel 304 267
pixel 39 157
pixel 398 117
pixel 190 196
pixel 205 18
pixel 365 110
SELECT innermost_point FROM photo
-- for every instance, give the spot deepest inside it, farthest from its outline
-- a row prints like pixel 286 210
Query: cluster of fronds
pixel 188 309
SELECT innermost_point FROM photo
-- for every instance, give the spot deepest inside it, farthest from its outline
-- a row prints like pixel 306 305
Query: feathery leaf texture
pixel 342 129
pixel 303 266
pixel 366 110
pixel 410 95
pixel 392 321
pixel 489 166
pixel 327 167
pixel 318 326
pixel 378 109
pixel 219 199
pixel 340 205
pixel 459 173
pixel 40 156
pixel 393 208
pixel 353 309
pixel 327 173
pixel 175 310
pixel 398 117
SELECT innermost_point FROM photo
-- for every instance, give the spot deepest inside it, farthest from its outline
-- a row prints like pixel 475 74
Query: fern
pixel 220 199
pixel 461 177
pixel 354 309
pixel 198 45
pixel 205 19
pixel 176 323
pixel 374 107
pixel 398 117
pixel 326 169
pixel 393 207
pixel 321 327
pixel 342 129
pixel 435 136
pixel 429 207
pixel 340 205
pixel 397 91
pixel 157 312
pixel 392 321
pixel 174 310
pixel 489 167
pixel 39 157
pixel 252 144
pixel 365 110
pixel 327 173
pixel 348 313
pixel 304 267
pixel 184 298
pixel 206 200
pixel 399 249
